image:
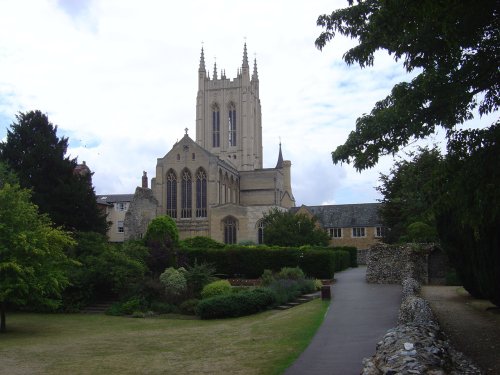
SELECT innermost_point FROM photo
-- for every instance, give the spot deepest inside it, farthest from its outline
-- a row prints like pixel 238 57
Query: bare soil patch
pixel 473 326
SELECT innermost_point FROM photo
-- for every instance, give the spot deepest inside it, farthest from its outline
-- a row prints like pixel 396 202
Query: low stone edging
pixel 416 345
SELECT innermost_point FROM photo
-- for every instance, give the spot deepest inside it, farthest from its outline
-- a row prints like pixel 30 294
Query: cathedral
pixel 215 185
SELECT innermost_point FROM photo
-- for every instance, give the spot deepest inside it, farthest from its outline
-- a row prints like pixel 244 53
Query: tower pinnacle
pixel 255 75
pixel 279 164
pixel 245 56
pixel 215 70
pixel 202 61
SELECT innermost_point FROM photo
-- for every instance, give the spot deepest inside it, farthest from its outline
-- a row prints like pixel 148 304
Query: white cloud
pixel 119 78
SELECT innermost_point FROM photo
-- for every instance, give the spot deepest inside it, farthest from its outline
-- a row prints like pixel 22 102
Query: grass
pixel 265 343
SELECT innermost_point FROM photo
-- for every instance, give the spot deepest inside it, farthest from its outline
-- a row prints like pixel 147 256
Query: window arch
pixel 232 125
pixel 186 194
pixel 201 193
pixel 230 228
pixel 215 126
pixel 260 231
pixel 172 194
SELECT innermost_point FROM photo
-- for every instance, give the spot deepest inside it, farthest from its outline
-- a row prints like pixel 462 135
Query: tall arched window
pixel 232 125
pixel 215 126
pixel 260 232
pixel 201 193
pixel 186 194
pixel 172 194
pixel 230 226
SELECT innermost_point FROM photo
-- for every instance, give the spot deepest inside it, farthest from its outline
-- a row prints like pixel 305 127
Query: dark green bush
pixel 353 254
pixel 197 276
pixel 162 307
pixel 200 242
pixel 188 307
pixel 291 273
pixel 237 304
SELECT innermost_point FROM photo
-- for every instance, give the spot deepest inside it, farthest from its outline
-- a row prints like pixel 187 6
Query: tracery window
pixel 172 194
pixel 232 125
pixel 230 226
pixel 260 232
pixel 215 126
pixel 186 192
pixel 201 193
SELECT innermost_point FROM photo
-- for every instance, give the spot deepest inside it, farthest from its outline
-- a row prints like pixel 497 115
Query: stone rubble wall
pixel 141 211
pixel 417 345
pixel 390 264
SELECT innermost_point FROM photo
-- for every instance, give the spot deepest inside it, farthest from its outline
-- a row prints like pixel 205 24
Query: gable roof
pixel 113 198
pixel 346 215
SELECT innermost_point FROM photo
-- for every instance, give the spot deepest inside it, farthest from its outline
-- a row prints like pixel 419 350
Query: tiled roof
pixel 346 215
pixel 113 198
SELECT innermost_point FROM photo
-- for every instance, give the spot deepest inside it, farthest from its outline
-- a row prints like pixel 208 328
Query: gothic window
pixel 186 194
pixel 215 126
pixel 232 125
pixel 260 232
pixel 230 226
pixel 201 193
pixel 172 194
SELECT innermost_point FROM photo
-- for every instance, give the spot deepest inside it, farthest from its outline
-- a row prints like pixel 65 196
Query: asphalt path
pixel 358 317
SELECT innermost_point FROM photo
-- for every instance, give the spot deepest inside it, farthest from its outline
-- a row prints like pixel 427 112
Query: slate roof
pixel 346 215
pixel 113 198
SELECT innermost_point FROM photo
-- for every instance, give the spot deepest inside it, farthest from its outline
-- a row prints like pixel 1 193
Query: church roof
pixel 346 215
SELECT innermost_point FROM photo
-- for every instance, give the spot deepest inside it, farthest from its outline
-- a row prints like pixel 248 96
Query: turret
pixel 202 71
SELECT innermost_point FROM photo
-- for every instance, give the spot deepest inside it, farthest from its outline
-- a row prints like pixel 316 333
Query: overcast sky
pixel 119 78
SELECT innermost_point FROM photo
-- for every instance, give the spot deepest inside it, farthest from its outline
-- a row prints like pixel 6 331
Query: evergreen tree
pixel 35 153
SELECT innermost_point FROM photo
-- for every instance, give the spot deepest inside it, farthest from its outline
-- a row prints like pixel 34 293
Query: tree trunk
pixel 2 319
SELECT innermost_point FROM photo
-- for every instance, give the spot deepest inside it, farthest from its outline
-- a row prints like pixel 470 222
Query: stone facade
pixel 115 207
pixel 140 213
pixel 216 186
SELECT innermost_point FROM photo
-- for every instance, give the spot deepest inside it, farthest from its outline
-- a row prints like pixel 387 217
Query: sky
pixel 119 79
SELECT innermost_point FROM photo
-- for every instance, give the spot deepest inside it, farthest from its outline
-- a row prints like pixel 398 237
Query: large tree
pixel 284 228
pixel 38 157
pixel 454 44
pixel 32 259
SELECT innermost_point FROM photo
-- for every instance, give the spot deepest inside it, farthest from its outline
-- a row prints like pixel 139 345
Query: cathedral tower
pixel 228 115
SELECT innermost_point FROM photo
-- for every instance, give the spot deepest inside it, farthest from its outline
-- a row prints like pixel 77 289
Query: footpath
pixel 358 317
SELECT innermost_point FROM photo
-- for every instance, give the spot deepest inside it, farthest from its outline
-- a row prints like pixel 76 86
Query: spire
pixel 279 164
pixel 215 70
pixel 245 56
pixel 255 75
pixel 202 61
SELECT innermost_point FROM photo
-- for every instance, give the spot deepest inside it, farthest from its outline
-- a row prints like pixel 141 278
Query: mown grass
pixel 265 343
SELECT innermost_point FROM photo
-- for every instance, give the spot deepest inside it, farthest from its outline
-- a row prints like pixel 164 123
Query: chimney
pixel 144 180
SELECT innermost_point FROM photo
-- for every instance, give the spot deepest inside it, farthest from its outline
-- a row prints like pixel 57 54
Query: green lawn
pixel 266 343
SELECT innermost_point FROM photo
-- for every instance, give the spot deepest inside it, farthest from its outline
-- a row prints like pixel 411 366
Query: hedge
pixel 250 262
pixel 236 304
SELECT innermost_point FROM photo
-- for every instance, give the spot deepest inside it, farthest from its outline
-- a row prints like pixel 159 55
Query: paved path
pixel 358 316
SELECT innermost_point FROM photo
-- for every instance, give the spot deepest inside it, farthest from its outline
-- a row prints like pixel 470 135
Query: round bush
pixel 216 288
pixel 174 281
pixel 291 273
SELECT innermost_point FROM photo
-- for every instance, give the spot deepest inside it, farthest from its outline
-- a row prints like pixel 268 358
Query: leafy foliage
pixel 200 242
pixel 174 282
pixel 161 237
pixel 284 228
pixel 454 43
pixel 37 156
pixel 409 194
pixel 216 288
pixel 32 260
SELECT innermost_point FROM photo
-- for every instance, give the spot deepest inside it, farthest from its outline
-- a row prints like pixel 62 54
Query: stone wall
pixel 362 255
pixel 417 345
pixel 390 264
pixel 141 211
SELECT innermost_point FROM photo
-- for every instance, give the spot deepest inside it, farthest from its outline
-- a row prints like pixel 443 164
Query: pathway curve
pixel 358 317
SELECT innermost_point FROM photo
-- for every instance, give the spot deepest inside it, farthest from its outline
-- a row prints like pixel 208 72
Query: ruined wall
pixel 141 211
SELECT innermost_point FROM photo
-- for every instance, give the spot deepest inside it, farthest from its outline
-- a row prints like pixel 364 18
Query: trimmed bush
pixel 216 288
pixel 237 304
pixel 290 273
pixel 200 242
pixel 162 307
pixel 189 306
pixel 353 254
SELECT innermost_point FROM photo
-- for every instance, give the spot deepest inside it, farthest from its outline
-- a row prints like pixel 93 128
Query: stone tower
pixel 228 115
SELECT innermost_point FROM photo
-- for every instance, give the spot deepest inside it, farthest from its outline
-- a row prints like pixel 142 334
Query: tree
pixel 161 237
pixel 454 43
pixel 284 228
pixel 37 156
pixel 32 259
pixel 409 194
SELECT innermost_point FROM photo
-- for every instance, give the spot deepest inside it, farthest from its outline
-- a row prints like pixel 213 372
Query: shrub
pixel 174 282
pixel 200 242
pixel 237 304
pixel 267 278
pixel 290 273
pixel 318 284
pixel 162 307
pixel 133 304
pixel 188 307
pixel 216 288
pixel 197 276
pixel 161 237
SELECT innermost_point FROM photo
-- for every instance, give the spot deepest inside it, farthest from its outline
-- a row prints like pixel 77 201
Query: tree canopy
pixel 284 228
pixel 454 44
pixel 32 259
pixel 35 153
